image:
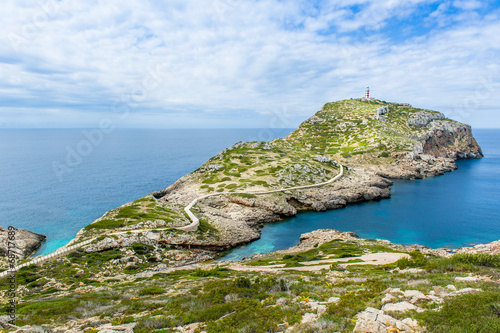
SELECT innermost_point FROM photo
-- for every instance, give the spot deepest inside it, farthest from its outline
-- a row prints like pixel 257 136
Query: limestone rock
pixel 125 328
pixel 309 317
pixel 376 321
pixel 399 307
pixel 423 118
pixel 26 242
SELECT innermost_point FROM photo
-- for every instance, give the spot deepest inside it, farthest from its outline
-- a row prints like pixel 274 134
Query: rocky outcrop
pixel 376 321
pixel 25 241
pixel 449 139
pixel 423 118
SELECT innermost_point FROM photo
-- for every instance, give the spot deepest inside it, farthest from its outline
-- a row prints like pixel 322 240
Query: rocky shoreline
pixel 26 242
pixel 313 239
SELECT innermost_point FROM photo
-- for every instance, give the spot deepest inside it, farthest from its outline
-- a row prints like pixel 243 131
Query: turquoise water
pixel 457 209
pixel 111 170
pixel 453 210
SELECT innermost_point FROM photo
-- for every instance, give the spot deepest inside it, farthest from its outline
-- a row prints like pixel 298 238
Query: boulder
pixel 399 307
pixel 26 242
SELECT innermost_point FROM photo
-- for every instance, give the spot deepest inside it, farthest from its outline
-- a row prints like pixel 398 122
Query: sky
pixel 242 63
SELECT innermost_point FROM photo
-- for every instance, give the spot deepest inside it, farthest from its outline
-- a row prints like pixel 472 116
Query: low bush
pixel 151 291
pixel 466 313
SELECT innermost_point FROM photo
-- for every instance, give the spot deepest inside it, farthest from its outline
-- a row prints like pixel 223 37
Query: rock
pixel 467 291
pixel 315 119
pixel 423 118
pixel 451 287
pixel 491 248
pixel 410 322
pixel 212 167
pixel 320 308
pixel 399 307
pixel 309 317
pixel 392 291
pixel 126 328
pixel 322 158
pixel 333 300
pixel 388 298
pixel 467 279
pixel 380 112
pixel 440 291
pixel 282 301
pixel 26 242
pixel 376 321
pixel 415 295
pixel 191 328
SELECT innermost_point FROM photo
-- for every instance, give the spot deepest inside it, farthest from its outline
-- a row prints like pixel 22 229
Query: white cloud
pixel 231 62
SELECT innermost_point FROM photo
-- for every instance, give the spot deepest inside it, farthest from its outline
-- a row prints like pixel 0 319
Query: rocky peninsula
pixel 375 140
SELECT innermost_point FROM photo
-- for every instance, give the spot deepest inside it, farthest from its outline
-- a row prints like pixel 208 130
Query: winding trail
pixel 193 226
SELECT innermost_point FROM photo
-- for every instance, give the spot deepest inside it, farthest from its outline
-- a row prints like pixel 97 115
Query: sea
pixel 56 181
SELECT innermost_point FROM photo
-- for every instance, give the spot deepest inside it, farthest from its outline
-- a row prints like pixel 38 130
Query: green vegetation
pixel 226 301
pixel 465 313
pixel 130 284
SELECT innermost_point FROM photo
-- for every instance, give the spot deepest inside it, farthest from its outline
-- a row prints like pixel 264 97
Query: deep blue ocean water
pixel 103 172
pixel 57 181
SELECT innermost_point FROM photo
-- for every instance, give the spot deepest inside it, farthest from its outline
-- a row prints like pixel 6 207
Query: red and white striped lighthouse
pixel 367 93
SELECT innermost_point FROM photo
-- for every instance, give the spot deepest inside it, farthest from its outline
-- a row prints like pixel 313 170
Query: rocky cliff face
pixel 25 242
pixel 451 140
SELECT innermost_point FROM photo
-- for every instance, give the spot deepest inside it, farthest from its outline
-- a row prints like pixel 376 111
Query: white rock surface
pixel 376 321
pixel 399 307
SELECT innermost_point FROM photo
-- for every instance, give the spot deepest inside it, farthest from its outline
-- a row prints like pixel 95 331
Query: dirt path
pixel 193 226
pixel 381 258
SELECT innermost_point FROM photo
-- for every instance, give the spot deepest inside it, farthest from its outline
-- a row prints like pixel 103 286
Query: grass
pixel 106 224
pixel 465 314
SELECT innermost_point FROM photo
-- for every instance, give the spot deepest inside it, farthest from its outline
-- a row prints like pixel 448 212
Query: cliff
pixel 374 140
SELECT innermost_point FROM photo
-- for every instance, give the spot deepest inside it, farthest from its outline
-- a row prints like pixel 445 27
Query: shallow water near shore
pixel 453 210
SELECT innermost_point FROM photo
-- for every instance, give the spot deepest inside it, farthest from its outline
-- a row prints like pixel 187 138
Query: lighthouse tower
pixel 367 93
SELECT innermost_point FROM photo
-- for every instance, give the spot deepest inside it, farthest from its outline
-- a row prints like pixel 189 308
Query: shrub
pixel 242 282
pixel 465 313
pixel 478 259
pixel 416 259
pixel 140 248
pixel 151 291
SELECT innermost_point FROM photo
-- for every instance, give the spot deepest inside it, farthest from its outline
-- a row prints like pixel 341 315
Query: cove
pixel 459 208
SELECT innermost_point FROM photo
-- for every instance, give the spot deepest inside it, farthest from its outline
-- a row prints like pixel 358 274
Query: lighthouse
pixel 367 93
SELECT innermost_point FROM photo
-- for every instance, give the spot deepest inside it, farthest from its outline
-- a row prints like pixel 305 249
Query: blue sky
pixel 242 63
